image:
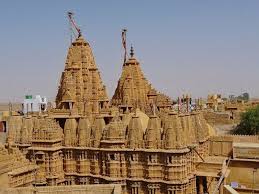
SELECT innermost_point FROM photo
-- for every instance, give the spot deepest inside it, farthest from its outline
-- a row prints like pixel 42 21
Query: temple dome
pixel 46 129
pixel 173 136
pixel 153 133
pixel 143 118
pixel 126 118
pixel 135 133
pixel 84 132
pixel 70 138
pixel 97 130
pixel 115 129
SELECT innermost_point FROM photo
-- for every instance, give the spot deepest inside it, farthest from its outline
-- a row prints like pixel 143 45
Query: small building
pixel 36 104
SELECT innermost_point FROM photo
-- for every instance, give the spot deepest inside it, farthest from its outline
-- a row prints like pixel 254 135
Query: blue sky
pixel 198 47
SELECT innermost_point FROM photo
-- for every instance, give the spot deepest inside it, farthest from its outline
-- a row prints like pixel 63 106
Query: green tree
pixel 246 96
pixel 249 124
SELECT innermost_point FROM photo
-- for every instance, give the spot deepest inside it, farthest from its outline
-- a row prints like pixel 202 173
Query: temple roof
pixel 81 81
pixel 133 89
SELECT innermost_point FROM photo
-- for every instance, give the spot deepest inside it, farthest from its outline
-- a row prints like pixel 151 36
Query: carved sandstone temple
pixel 147 148
pixel 81 89
pixel 145 154
pixel 134 90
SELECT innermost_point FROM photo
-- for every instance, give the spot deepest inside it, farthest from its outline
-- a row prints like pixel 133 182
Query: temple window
pixel 132 157
pixel 150 158
pixel 170 159
pixel 112 157
pixel 96 156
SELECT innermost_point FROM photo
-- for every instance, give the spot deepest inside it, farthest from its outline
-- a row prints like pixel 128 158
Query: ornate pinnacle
pixel 131 51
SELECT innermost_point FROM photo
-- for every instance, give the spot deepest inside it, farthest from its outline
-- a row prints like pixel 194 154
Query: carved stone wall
pixel 223 145
pixel 16 168
pixel 156 159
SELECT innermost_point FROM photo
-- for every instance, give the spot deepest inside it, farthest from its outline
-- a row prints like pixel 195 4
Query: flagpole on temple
pixel 124 44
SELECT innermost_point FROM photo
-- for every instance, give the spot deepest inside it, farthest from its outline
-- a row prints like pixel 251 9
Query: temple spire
pixel 81 80
pixel 134 90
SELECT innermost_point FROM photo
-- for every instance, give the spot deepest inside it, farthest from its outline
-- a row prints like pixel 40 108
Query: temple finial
pixel 131 51
pixel 154 109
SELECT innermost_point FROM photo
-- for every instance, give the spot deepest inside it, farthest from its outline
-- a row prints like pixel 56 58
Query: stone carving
pixel 134 90
pixel 81 89
pixel 138 142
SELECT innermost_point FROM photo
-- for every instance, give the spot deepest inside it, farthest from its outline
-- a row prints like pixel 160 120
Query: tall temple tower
pixel 81 89
pixel 134 90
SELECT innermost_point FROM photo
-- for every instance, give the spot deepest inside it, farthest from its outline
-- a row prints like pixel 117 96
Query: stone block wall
pixel 223 145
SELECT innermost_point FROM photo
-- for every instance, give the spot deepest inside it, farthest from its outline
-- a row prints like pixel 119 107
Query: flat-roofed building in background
pixel 34 104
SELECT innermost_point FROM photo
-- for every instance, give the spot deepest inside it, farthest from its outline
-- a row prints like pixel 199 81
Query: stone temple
pixel 134 90
pixel 81 86
pixel 135 140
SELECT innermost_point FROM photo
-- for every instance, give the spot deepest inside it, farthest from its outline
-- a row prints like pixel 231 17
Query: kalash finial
pixel 131 52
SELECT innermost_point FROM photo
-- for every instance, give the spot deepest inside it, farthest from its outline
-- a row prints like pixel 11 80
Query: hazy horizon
pixel 197 47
